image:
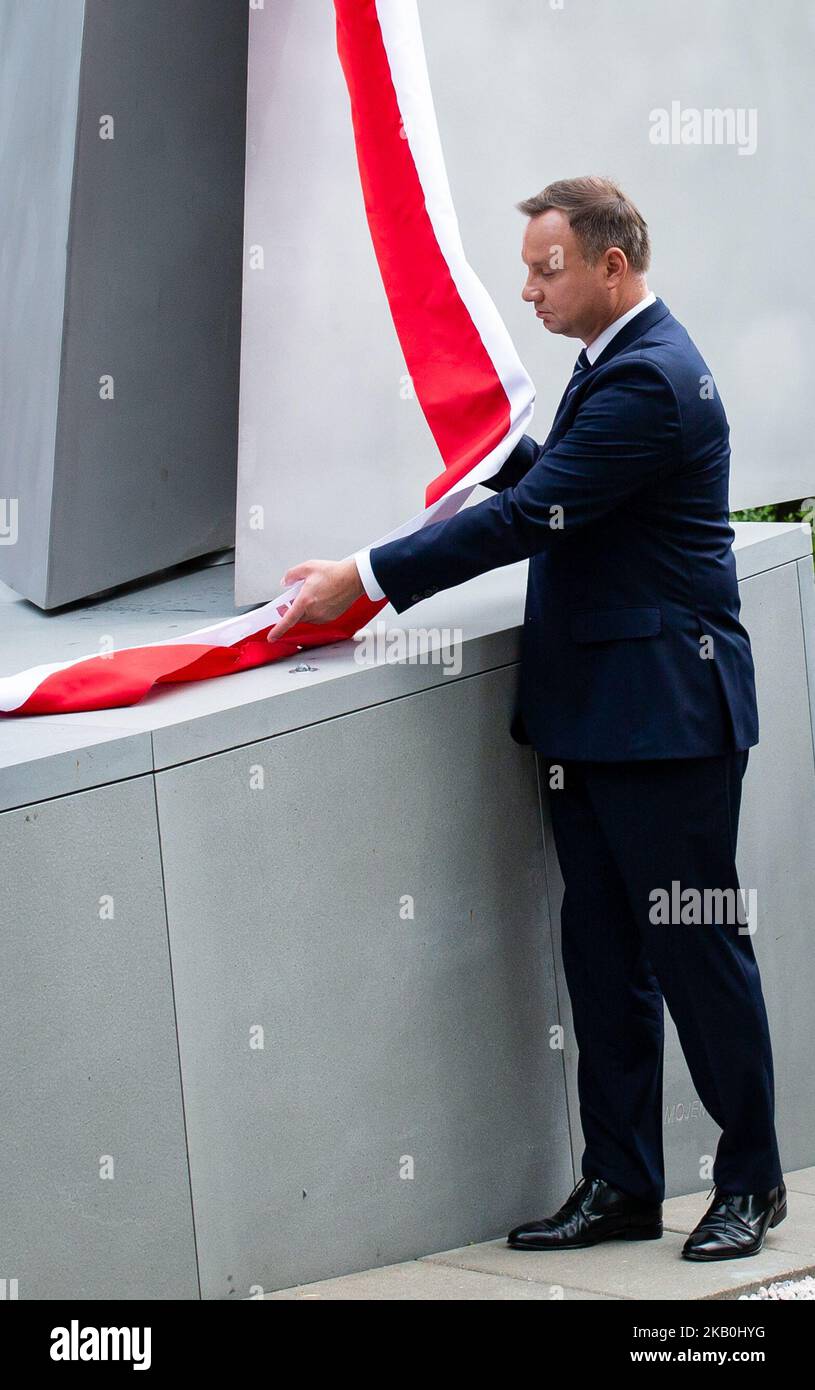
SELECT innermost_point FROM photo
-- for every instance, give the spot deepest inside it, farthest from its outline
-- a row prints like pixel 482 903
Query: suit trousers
pixel 630 835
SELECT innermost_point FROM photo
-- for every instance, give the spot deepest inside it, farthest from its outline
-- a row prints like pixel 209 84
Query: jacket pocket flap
pixel 611 624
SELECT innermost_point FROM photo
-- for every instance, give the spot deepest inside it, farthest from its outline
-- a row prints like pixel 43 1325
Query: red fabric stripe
pixel 125 677
pixel 105 682
pixel 463 399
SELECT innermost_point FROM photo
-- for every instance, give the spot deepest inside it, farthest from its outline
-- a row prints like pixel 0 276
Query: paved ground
pixel 650 1269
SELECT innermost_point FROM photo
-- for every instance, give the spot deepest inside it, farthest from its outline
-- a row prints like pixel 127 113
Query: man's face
pixel 570 297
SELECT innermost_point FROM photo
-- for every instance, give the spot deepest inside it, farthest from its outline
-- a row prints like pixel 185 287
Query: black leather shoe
pixel 735 1224
pixel 593 1211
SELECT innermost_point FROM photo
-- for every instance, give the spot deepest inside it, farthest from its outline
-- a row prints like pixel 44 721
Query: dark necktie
pixel 580 365
pixel 582 362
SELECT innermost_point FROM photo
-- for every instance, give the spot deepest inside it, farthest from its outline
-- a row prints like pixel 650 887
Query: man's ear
pixel 616 266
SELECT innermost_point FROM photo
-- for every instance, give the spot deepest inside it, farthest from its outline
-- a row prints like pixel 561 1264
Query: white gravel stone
pixel 785 1288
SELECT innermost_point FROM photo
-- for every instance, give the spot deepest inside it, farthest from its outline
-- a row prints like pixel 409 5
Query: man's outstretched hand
pixel 330 586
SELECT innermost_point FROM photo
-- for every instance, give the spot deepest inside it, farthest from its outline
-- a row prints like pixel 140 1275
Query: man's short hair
pixel 600 215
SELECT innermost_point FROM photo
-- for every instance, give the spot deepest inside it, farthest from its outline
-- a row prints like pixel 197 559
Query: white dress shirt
pixel 604 338
pixel 363 558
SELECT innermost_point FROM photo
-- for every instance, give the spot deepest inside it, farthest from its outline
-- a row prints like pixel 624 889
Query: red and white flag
pixel 474 392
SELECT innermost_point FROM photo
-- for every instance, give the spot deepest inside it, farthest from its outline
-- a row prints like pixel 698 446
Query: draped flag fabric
pixel 474 393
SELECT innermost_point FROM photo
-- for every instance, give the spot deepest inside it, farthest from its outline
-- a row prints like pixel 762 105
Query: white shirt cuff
pixel 366 574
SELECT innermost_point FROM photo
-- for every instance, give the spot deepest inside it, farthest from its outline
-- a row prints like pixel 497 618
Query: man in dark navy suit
pixel 637 691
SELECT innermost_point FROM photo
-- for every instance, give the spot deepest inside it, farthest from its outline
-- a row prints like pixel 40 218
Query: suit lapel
pixel 631 331
pixel 636 328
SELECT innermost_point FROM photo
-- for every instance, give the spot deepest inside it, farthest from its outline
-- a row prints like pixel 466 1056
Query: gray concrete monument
pixel 122 166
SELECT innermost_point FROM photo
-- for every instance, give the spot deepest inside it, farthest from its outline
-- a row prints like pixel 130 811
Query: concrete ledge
pixel 46 756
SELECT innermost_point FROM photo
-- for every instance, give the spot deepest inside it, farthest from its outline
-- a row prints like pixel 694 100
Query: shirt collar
pixel 601 342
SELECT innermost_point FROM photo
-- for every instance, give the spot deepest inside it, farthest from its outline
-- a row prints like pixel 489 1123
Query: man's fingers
pixel 288 620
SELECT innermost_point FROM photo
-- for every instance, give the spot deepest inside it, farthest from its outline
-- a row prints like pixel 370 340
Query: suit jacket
pixel 632 645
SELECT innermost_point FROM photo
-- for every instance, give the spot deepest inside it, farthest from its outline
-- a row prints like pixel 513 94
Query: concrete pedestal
pixel 283 988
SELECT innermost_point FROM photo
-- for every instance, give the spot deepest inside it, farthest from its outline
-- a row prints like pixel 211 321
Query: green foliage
pixel 802 510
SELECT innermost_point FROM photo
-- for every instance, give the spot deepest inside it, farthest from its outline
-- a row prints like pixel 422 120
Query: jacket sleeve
pixel 626 435
pixel 515 465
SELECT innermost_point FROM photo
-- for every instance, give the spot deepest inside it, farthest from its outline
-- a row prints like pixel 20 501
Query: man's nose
pixel 529 294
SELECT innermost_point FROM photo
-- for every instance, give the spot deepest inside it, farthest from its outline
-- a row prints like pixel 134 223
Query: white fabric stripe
pixel 402 37
pixel 16 689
